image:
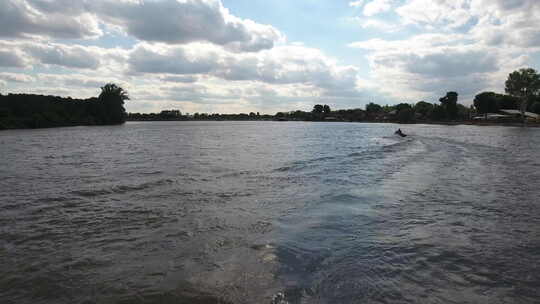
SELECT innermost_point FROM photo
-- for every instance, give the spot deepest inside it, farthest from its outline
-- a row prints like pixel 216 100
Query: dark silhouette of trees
pixel 39 111
pixel 111 101
pixel 326 109
pixel 438 113
pixel 536 107
pixel 404 113
pixel 320 111
pixel 508 101
pixel 423 109
pixel 350 115
pixel 490 102
pixel 317 109
pixel 373 110
pixel 449 103
pixel 487 102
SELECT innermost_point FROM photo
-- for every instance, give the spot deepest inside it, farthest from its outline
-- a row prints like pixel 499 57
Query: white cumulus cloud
pixel 377 6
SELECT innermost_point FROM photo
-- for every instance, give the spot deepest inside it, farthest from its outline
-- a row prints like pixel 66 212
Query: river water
pixel 262 212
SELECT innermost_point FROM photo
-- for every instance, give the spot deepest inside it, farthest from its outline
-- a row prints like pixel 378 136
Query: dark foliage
pixel 39 111
pixel 449 103
pixel 404 113
pixel 423 109
pixel 490 102
pixel 486 102
pixel 536 107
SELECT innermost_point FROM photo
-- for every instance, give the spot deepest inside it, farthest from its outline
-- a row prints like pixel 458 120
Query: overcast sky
pixel 232 56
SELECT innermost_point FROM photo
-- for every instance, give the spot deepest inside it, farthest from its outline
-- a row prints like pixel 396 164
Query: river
pixel 262 212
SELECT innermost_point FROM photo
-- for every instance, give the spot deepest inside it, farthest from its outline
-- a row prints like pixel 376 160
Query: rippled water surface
pixel 255 212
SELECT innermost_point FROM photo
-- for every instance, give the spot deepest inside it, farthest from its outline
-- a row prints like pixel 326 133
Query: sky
pixel 232 56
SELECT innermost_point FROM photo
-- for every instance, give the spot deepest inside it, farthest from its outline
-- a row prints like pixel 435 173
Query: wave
pixel 122 189
pixel 303 164
pixel 380 150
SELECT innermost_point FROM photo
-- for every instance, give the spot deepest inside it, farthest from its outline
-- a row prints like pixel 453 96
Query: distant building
pixel 494 116
pixel 529 115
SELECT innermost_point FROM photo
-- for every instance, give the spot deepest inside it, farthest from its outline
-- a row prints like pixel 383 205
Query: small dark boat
pixel 398 132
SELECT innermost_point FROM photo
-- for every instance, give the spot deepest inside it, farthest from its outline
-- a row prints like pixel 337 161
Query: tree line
pixel 522 89
pixel 446 109
pixel 522 92
pixel 40 111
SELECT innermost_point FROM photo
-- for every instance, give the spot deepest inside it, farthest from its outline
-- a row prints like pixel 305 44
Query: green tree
pixel 449 102
pixel 524 84
pixel 508 101
pixel 438 113
pixel 464 113
pixel 372 109
pixel 423 108
pixel 317 112
pixel 317 109
pixel 112 99
pixel 326 109
pixel 405 113
pixel 487 102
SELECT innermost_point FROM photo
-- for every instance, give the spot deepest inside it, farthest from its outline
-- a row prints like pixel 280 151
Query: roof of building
pixel 491 116
pixel 518 112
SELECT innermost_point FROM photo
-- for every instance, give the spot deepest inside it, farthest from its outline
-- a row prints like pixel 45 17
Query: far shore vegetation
pixel 520 104
pixel 19 111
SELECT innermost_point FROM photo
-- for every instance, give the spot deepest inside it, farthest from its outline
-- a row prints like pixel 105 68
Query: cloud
pixel 441 13
pixel 494 22
pixel 79 85
pixel 181 79
pixel 449 62
pixel 20 18
pixel 437 63
pixel 166 21
pixel 181 22
pixel 11 58
pixel 377 6
pixel 358 3
pixel 16 77
pixel 284 77
pixel 146 58
pixel 377 24
pixel 463 45
pixel 26 54
pixel 507 23
pixel 63 55
pixel 280 65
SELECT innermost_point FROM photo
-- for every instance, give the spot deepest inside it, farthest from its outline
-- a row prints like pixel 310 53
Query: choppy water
pixel 224 212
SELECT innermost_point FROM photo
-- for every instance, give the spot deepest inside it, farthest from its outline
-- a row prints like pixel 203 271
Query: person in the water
pixel 398 132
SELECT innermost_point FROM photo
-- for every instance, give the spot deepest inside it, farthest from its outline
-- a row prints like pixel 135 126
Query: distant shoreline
pixel 440 123
pixel 444 123
pixel 30 111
